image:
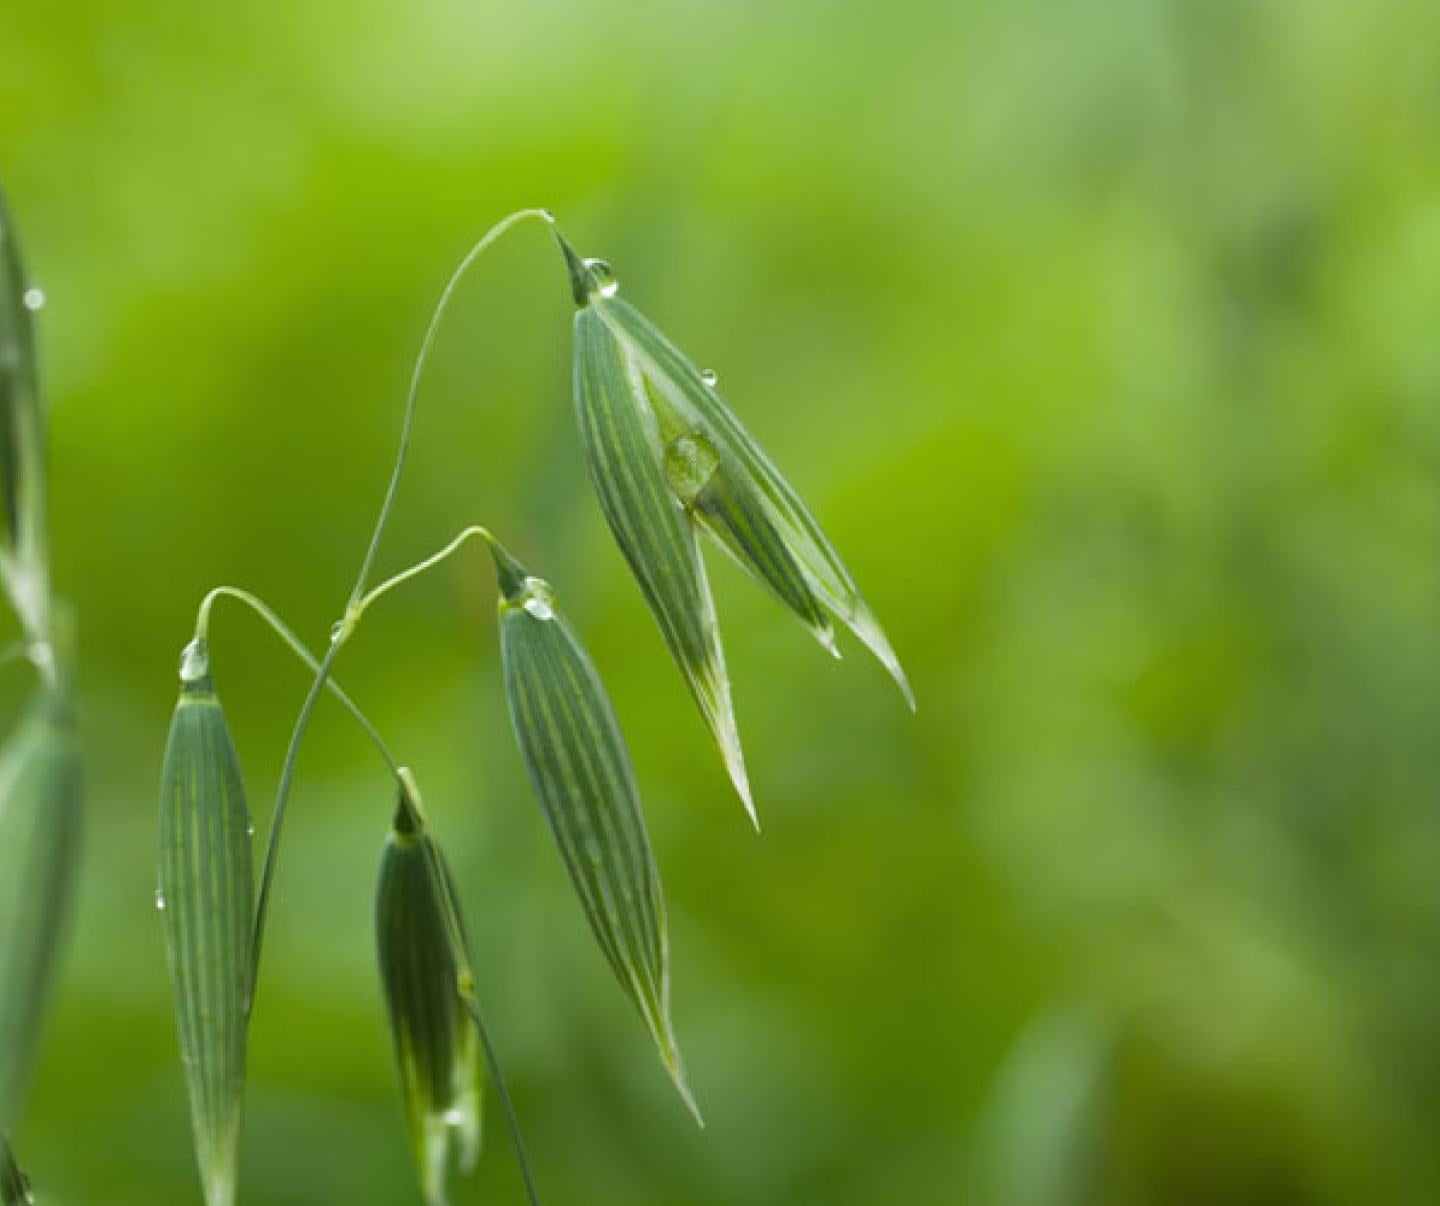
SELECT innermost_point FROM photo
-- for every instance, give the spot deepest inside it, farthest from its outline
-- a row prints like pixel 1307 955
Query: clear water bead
pixel 194 662
pixel 710 377
pixel 159 900
pixel 605 283
pixel 539 599
pixel 33 299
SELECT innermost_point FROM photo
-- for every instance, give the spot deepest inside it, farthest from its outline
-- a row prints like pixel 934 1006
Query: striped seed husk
pixel 579 766
pixel 437 1053
pixel 206 897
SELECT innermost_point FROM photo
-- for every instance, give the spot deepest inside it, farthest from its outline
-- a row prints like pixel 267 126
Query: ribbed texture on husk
pixel 579 766
pixel 436 1048
pixel 207 899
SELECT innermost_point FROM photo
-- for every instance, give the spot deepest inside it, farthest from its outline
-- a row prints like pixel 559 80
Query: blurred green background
pixel 1104 337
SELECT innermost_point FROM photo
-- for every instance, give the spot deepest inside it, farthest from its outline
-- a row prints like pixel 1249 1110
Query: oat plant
pixel 40 760
pixel 668 460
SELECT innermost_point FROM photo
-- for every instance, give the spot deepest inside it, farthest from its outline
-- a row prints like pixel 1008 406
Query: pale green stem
pixel 346 626
pixel 287 635
pixel 343 631
pixel 487 240
pixel 475 531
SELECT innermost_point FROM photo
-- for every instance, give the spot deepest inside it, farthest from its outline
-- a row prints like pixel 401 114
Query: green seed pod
pixel 684 399
pixel 578 764
pixel 207 899
pixel 622 449
pixel 22 419
pixel 437 1053
pixel 40 797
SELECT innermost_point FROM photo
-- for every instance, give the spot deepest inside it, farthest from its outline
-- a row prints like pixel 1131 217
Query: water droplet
pixel 336 629
pixel 547 216
pixel 710 377
pixel 159 900
pixel 605 283
pixel 455 1116
pixel 690 463
pixel 194 662
pixel 250 829
pixel 33 299
pixel 539 599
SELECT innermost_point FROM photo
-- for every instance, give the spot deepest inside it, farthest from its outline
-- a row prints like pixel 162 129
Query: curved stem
pixel 346 627
pixel 282 799
pixel 407 424
pixel 355 605
pixel 472 532
pixel 497 1077
pixel 287 635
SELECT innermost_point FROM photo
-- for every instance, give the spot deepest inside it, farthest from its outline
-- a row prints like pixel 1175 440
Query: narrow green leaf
pixel 206 898
pixel 580 769
pixel 22 421
pixel 40 796
pixel 677 384
pixel 14 1187
pixel 622 446
pixel 437 1053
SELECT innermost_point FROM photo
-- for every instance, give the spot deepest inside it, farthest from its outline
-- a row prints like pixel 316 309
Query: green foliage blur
pixel 1105 339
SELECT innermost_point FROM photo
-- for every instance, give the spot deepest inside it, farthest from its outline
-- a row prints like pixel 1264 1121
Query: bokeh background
pixel 1105 338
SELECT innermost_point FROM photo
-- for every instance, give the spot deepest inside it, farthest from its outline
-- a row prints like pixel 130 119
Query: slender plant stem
pixel 346 626
pixel 287 635
pixel 473 532
pixel 408 423
pixel 282 797
pixel 343 630
pixel 497 1078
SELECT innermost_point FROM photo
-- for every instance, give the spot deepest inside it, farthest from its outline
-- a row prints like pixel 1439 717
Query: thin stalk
pixel 345 628
pixel 355 605
pixel 287 635
pixel 408 423
pixel 473 532
pixel 282 797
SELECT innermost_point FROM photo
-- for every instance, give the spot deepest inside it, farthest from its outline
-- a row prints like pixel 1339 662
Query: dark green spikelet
pixel 578 764
pixel 40 798
pixel 437 1053
pixel 622 449
pixel 14 1187
pixel 23 554
pixel 206 898
pixel 685 400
